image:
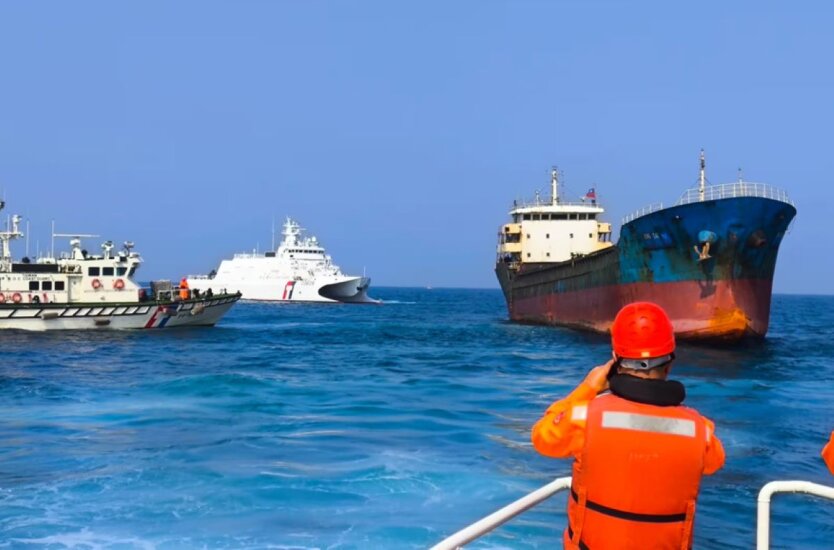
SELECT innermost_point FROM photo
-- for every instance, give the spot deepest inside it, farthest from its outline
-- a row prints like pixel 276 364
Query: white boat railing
pixel 643 211
pixel 735 190
pixel 715 192
pixel 502 516
pixel 539 202
pixel 763 519
pixel 518 507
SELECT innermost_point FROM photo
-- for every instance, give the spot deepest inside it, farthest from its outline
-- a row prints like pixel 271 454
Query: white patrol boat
pixel 81 291
pixel 297 271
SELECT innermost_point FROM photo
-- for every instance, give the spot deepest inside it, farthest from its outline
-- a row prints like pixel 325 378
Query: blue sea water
pixel 391 426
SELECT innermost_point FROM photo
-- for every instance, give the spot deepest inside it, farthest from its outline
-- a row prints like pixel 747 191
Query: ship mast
pixel 12 232
pixel 702 182
pixel 554 186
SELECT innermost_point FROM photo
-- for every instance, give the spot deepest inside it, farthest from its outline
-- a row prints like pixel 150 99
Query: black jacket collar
pixel 664 393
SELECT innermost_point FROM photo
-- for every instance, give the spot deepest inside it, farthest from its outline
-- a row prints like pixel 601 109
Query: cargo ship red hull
pixel 726 296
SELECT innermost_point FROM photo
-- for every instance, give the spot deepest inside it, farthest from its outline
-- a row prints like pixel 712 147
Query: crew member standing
pixel 828 453
pixel 184 294
pixel 639 454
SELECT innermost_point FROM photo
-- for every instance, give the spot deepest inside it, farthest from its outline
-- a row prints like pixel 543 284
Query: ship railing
pixel 735 190
pixel 643 211
pixel 540 202
pixel 248 255
pixel 500 517
pixel 763 513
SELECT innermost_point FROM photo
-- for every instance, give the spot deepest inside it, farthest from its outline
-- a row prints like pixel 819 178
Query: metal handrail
pixel 520 204
pixel 763 516
pixel 500 517
pixel 734 190
pixel 715 192
pixel 643 211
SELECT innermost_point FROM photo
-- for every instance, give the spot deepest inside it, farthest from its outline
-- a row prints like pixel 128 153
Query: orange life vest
pixel 636 482
pixel 184 293
pixel 828 454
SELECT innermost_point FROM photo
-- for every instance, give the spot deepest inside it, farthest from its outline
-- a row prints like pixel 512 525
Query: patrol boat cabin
pixel 78 290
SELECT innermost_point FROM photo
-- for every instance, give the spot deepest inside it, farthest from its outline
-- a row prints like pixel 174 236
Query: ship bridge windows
pixel 93 271
pixel 537 217
pixel 132 271
pixel 33 285
pixel 560 216
pixel 527 216
pixel 46 285
pixel 107 271
pixel 59 285
pixel 120 271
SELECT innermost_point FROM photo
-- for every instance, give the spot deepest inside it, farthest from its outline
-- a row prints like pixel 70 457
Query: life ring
pixel 2 298
pixel 16 297
pixel 96 284
pixel 118 284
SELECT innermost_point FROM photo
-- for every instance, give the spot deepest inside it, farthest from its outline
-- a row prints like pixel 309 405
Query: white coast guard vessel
pixel 297 271
pixel 80 291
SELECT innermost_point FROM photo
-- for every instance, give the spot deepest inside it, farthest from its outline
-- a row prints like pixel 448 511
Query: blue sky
pixel 399 132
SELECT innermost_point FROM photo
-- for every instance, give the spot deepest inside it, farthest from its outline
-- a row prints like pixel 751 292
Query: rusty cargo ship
pixel 708 260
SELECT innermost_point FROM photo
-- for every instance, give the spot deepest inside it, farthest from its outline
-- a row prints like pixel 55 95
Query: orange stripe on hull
pixel 728 310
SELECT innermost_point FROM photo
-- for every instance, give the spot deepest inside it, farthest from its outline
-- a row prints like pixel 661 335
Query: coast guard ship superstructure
pixel 83 291
pixel 297 271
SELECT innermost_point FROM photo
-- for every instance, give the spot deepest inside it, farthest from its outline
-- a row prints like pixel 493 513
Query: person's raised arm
pixel 714 457
pixel 560 432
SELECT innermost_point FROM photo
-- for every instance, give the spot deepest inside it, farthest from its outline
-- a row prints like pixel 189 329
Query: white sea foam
pixel 87 539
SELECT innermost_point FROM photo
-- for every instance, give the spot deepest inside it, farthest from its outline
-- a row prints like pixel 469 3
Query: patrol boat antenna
pixel 702 188
pixel 12 232
pixel 75 242
pixel 554 186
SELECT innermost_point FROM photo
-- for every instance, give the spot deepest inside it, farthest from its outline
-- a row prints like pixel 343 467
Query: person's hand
pixel 598 377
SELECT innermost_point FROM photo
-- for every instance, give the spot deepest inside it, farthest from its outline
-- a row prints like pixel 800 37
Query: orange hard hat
pixel 642 330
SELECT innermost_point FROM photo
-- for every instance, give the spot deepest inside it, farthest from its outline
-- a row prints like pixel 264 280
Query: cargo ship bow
pixel 708 260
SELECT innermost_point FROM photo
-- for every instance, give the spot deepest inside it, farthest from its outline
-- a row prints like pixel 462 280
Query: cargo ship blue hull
pixel 709 264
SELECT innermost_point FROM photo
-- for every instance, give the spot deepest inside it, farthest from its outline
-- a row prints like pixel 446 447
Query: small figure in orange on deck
pixel 639 454
pixel 184 294
pixel 828 453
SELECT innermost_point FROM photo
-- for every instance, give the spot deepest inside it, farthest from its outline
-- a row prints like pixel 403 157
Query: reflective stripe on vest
pixel 648 423
pixel 611 500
